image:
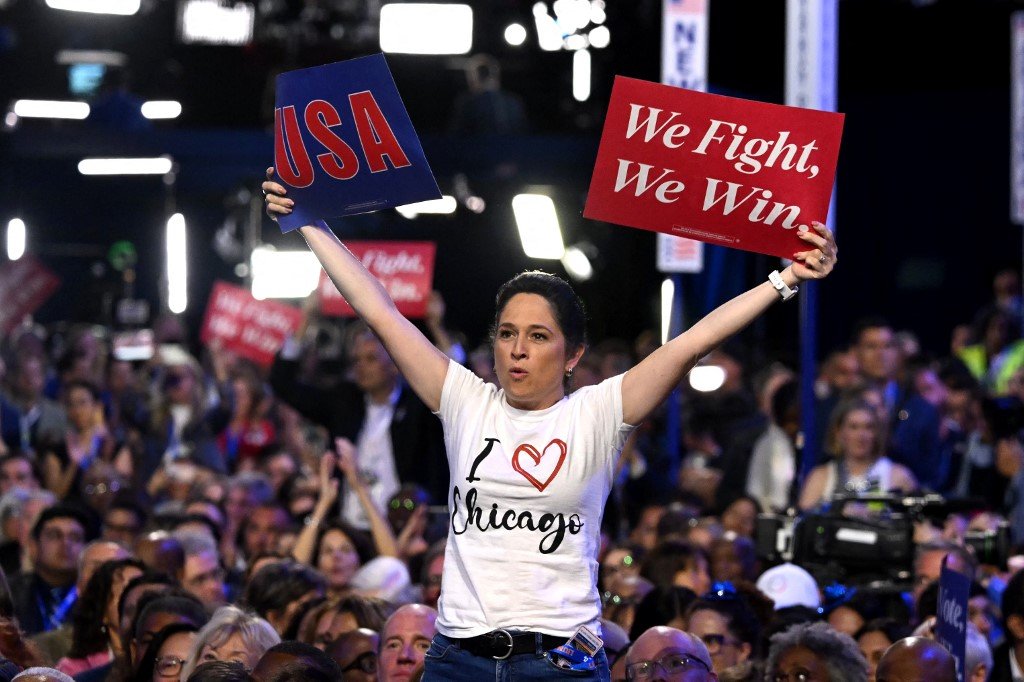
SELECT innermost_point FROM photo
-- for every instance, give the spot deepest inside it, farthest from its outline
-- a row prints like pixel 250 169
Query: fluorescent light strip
pixel 209 21
pixel 15 238
pixel 538 226
pixel 105 57
pixel 160 165
pixel 581 75
pixel 668 291
pixel 50 108
pixel 177 264
pixel 446 204
pixel 283 274
pixel 426 28
pixel 160 109
pixel 121 7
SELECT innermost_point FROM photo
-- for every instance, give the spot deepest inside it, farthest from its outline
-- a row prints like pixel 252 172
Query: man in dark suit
pixel 913 421
pixel 397 438
pixel 43 598
pixel 1008 659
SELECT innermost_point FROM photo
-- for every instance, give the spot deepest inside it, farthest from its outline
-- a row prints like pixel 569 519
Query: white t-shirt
pixel 376 462
pixel 527 494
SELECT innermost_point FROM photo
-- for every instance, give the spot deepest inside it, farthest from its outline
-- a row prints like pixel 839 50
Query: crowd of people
pixel 195 516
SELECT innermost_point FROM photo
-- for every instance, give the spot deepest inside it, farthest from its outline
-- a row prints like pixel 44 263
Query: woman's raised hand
pixel 819 260
pixel 274 196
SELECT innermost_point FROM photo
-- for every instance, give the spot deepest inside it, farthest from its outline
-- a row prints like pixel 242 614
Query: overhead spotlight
pixel 549 35
pixel 160 165
pixel 177 264
pixel 216 23
pixel 600 36
pixel 577 264
pixel 15 238
pixel 572 14
pixel 446 204
pixel 104 57
pixel 283 274
pixel 409 28
pixel 10 120
pixel 597 13
pixel 515 34
pixel 161 109
pixel 538 226
pixel 576 42
pixel 122 7
pixel 475 204
pixel 49 108
pixel 707 378
pixel 581 75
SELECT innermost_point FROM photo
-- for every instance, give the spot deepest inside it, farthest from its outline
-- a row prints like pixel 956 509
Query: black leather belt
pixel 500 644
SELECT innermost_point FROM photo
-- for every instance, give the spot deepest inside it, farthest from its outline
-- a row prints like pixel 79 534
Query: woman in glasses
pixel 532 463
pixel 167 654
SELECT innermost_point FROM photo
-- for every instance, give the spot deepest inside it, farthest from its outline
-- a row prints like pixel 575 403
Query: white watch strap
pixel 785 291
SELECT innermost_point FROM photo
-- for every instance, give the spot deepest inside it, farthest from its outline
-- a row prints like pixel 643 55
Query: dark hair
pixel 147 578
pixel 87 386
pixel 177 602
pixel 866 323
pixel 147 664
pixel 1013 601
pixel 292 631
pixel 129 504
pixel 565 304
pixel 669 558
pixel 893 630
pixel 357 537
pixel 88 630
pixel 740 617
pixel 311 664
pixel 64 511
pixel 277 585
pixel 220 671
pixel 369 612
pixel 660 606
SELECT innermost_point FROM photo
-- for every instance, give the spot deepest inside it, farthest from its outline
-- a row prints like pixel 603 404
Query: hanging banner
pixel 684 64
pixel 722 170
pixel 1017 118
pixel 406 269
pixel 246 326
pixel 25 285
pixel 684 44
pixel 344 144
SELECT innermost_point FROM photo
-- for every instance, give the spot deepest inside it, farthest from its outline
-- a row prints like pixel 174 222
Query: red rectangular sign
pixel 25 284
pixel 718 169
pixel 251 328
pixel 406 269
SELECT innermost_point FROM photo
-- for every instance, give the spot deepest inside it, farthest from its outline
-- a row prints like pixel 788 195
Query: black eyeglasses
pixel 672 664
pixel 367 662
pixel 715 642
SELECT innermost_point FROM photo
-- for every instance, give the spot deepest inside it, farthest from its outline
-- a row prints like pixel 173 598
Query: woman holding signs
pixel 531 467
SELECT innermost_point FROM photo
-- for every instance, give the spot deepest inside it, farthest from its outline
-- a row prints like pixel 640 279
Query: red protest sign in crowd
pixel 719 169
pixel 251 328
pixel 406 269
pixel 25 284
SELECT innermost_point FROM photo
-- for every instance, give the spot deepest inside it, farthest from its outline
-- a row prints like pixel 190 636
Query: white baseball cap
pixel 789 585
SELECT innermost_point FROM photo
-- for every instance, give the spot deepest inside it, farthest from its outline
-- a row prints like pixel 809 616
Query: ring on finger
pixel 823 259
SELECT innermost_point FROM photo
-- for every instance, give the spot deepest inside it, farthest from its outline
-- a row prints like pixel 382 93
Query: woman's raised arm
pixel 421 363
pixel 647 384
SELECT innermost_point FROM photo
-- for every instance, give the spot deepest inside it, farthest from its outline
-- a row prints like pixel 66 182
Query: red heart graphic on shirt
pixel 537 456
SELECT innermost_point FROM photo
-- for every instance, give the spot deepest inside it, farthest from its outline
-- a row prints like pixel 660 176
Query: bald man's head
pixel 916 659
pixel 661 641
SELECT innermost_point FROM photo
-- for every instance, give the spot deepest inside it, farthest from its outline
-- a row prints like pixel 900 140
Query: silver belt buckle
pixel 511 644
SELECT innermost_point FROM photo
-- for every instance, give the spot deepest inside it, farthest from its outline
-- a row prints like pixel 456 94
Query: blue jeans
pixel 445 661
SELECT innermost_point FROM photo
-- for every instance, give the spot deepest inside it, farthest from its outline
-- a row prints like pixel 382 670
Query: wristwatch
pixel 785 291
